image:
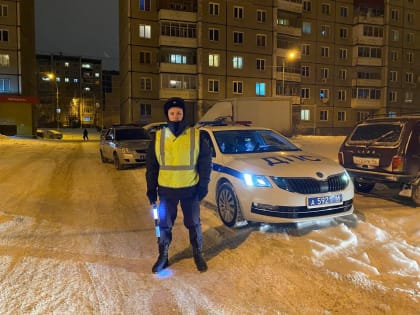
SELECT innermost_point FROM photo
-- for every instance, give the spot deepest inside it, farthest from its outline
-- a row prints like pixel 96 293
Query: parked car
pixel 384 150
pixel 261 176
pixel 49 134
pixel 124 145
pixel 153 127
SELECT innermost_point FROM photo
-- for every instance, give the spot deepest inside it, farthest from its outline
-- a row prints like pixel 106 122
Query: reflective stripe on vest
pixel 177 157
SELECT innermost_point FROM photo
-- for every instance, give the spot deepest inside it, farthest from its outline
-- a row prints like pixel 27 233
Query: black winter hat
pixel 174 102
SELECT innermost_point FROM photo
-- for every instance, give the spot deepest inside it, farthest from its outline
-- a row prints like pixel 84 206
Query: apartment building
pixel 342 61
pixel 70 91
pixel 17 67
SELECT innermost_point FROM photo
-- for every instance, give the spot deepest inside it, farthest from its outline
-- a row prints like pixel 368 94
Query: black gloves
pixel 202 192
pixel 152 195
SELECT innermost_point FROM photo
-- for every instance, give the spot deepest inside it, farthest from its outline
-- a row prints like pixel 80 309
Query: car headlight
pixel 125 150
pixel 256 180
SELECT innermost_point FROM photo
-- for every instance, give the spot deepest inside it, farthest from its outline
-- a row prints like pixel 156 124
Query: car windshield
pixel 131 134
pixel 382 133
pixel 251 141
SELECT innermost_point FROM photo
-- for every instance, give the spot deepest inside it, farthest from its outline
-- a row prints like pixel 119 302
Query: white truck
pixel 268 112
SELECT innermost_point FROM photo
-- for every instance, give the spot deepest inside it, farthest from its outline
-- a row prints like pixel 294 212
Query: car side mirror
pixel 108 138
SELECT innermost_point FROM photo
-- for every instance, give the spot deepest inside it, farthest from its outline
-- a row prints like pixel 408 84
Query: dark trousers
pixel 168 209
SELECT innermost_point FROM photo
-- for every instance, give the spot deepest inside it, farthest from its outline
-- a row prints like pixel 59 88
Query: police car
pixel 261 176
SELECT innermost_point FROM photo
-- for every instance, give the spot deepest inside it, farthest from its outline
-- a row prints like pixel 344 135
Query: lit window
pixel 306 28
pixel 305 114
pixel 214 60
pixel 4 60
pixel 145 31
pixel 237 62
pixel 4 85
pixel 260 89
pixel 180 59
pixel 144 5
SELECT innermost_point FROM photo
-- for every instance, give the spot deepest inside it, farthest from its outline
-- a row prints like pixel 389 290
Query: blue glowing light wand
pixel 156 218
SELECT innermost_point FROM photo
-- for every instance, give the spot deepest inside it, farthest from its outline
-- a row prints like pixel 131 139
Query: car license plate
pixel 328 200
pixel 370 161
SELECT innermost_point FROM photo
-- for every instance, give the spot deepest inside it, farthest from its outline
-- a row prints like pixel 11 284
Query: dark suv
pixel 384 150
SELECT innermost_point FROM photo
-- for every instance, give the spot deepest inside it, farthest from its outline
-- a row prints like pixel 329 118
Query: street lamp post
pixel 291 55
pixel 52 76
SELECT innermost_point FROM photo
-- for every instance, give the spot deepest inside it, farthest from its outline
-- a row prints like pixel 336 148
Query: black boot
pixel 199 260
pixel 162 261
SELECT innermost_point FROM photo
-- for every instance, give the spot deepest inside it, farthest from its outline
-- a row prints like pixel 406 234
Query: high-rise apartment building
pixel 17 67
pixel 70 91
pixel 341 60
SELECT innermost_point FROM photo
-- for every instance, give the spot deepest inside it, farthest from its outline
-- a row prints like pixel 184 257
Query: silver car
pixel 124 145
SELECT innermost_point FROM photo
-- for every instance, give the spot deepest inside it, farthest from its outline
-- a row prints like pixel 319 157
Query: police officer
pixel 178 169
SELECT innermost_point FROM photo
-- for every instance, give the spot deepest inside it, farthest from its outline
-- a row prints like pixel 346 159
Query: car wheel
pixel 363 187
pixel 103 159
pixel 415 193
pixel 227 204
pixel 117 163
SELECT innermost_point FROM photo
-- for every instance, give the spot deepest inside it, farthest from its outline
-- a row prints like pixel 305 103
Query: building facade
pixel 342 61
pixel 70 91
pixel 17 67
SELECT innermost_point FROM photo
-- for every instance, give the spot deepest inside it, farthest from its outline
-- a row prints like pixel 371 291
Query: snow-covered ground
pixel 77 237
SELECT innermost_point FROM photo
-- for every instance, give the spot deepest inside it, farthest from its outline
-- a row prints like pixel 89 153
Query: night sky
pixel 87 28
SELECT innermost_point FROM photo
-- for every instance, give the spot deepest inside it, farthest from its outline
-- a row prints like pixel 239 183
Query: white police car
pixel 261 176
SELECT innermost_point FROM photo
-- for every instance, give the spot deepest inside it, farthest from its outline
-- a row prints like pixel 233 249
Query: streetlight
pixel 52 76
pixel 291 55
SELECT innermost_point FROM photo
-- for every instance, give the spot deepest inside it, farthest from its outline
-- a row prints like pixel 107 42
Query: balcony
pixel 367 104
pixel 366 61
pixel 186 94
pixel 367 19
pixel 289 30
pixel 177 41
pixel 177 68
pixel 367 82
pixel 175 15
pixel 290 6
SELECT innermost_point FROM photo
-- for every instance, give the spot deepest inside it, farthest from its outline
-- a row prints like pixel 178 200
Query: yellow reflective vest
pixel 177 157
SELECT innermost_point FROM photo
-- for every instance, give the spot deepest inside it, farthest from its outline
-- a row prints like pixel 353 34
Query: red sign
pixel 19 99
